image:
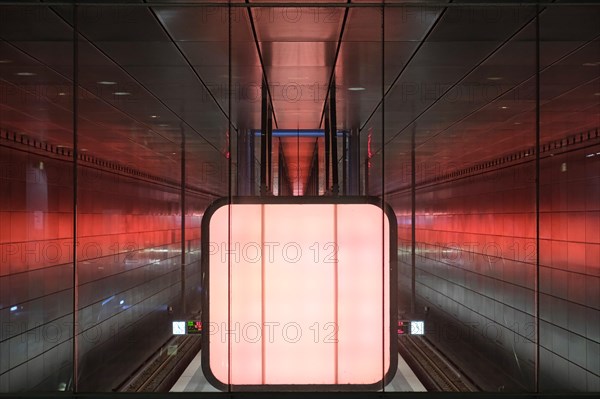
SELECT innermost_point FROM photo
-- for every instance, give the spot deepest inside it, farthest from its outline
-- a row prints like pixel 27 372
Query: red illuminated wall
pixel 475 270
pixel 129 270
pixel 570 271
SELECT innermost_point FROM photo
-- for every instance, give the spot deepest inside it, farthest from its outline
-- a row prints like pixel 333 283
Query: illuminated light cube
pixel 301 294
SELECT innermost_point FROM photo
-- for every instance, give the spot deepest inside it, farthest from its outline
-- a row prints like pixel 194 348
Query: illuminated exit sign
pixel 406 327
pixel 192 327
pixel 300 294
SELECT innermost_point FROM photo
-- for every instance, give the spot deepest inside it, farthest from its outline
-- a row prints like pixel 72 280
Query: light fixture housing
pixel 308 278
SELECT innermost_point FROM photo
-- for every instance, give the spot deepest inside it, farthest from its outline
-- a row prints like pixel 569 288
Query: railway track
pixel 435 371
pixel 161 371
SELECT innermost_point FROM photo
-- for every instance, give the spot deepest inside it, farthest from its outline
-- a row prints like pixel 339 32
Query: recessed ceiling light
pixel 25 74
pixel 106 82
pixel 163 125
pixel 83 149
pixel 517 123
pixel 597 94
pixel 153 116
pixel 495 78
pixel 174 153
pixel 590 155
pixel 504 107
pixel 356 88
pixel 591 63
pixel 5 61
pixel 62 94
pixel 121 93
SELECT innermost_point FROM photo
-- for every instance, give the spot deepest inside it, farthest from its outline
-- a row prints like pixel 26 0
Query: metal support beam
pixel 335 189
pixel 312 187
pixel 266 144
pixel 285 186
pixel 366 179
pixel 75 282
pixel 245 163
pixel 344 162
pixel 183 209
pixel 413 218
pixel 327 149
pixel 263 140
pixel 354 162
pixel 280 179
pixel 269 149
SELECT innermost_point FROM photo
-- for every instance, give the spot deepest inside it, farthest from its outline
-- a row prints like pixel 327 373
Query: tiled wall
pixel 570 270
pixel 129 272
pixel 195 206
pixel 475 264
pixel 402 208
pixel 36 272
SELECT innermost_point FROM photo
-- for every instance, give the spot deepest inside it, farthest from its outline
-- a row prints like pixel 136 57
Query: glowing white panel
pixel 417 327
pixel 299 295
pixel 179 328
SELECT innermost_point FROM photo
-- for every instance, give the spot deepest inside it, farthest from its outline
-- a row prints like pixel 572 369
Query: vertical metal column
pixel 269 148
pixel 344 162
pixel 229 191
pixel 315 168
pixel 537 200
pixel 413 219
pixel 327 143
pixel 183 208
pixel 312 187
pixel 245 162
pixel 263 140
pixel 366 179
pixel 354 162
pixel 75 347
pixel 333 138
pixel 383 217
pixel 280 180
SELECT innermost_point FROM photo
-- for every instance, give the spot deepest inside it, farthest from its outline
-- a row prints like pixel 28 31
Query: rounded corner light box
pixel 299 293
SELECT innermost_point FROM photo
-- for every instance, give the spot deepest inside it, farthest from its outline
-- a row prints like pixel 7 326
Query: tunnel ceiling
pixel 462 80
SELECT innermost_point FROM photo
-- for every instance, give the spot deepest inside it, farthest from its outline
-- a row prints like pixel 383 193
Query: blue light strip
pixel 297 133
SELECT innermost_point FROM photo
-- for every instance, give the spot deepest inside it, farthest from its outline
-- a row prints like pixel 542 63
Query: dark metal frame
pixel 393 316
